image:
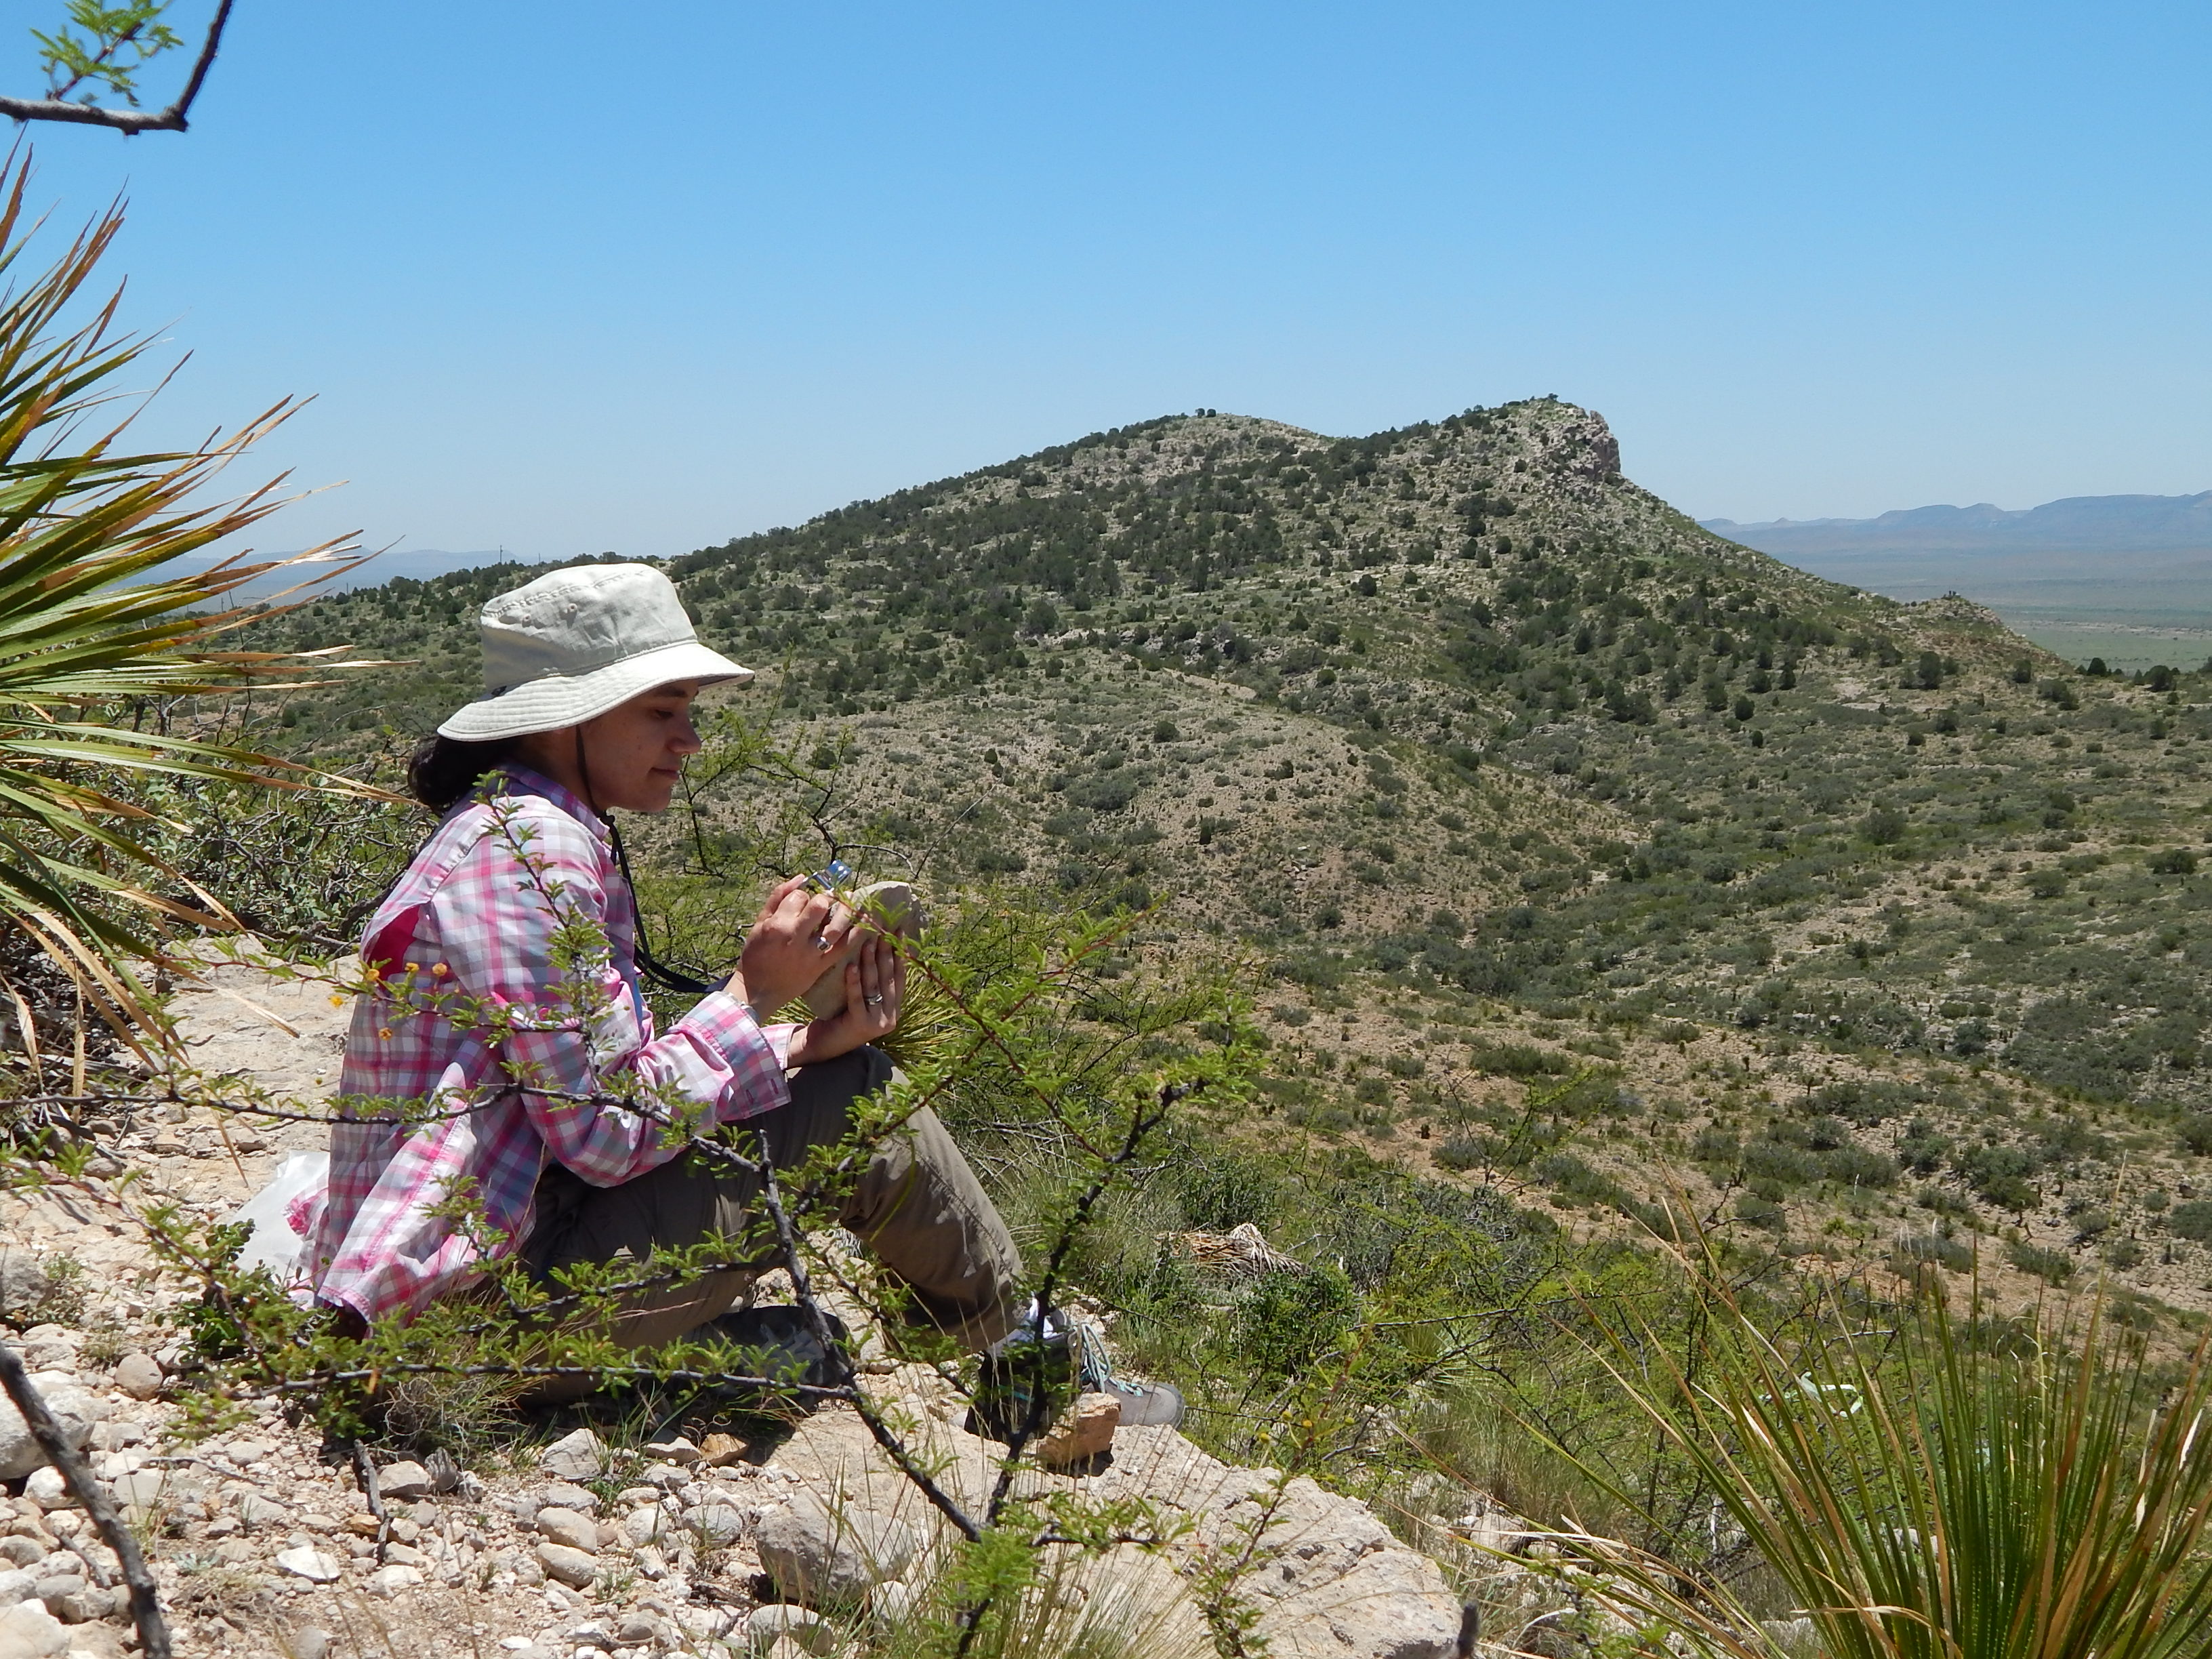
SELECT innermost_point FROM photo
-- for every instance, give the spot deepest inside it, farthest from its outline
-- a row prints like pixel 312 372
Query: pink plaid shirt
pixel 507 1029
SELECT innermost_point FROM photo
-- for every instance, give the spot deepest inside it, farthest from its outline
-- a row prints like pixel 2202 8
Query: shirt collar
pixel 522 781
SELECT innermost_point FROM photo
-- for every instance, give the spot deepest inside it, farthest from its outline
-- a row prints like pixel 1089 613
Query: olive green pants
pixel 917 1204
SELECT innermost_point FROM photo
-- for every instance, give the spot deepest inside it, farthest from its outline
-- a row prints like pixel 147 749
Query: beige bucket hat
pixel 570 646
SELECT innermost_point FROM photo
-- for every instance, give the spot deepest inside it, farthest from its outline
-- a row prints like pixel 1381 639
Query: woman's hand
pixel 798 933
pixel 875 991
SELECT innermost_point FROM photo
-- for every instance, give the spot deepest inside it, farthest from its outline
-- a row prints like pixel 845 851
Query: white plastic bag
pixel 272 1243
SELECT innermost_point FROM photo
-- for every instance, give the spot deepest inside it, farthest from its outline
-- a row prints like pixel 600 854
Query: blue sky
pixel 570 278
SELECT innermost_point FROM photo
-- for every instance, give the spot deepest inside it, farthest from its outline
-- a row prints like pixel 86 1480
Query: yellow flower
pixel 384 1031
pixel 336 1001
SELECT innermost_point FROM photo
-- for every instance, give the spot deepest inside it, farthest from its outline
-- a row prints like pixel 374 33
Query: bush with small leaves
pixel 2191 1221
pixel 2052 1267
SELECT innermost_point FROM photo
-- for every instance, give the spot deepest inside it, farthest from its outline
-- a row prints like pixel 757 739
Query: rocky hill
pixel 1560 831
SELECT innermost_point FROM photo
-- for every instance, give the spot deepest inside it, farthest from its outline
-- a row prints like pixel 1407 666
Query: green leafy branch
pixel 123 39
pixel 115 43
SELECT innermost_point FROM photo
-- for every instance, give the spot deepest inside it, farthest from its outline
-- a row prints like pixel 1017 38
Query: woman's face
pixel 635 752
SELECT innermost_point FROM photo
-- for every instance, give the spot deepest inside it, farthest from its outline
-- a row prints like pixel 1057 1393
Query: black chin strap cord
pixel 659 972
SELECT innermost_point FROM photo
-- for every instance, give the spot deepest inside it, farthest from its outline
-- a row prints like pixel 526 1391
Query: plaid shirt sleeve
pixel 507 1003
pixel 539 922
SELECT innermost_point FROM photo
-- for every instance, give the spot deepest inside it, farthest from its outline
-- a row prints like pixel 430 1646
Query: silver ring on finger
pixel 873 1000
pixel 820 943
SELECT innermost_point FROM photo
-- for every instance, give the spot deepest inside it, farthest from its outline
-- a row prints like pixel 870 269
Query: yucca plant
pixel 99 634
pixel 1933 1494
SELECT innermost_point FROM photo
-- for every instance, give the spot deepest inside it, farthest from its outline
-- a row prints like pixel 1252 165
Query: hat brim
pixel 553 701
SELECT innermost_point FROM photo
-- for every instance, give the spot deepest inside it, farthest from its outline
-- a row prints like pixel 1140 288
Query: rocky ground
pixel 593 1545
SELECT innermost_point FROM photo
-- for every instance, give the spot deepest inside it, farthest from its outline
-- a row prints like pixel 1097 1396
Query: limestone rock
pixel 718 1521
pixel 84 1605
pixel 679 1450
pixel 101 1641
pixel 403 1481
pixel 892 1602
pixel 566 1526
pixel 138 1375
pixel 808 1630
pixel 572 1567
pixel 311 1564
pixel 578 1457
pixel 16 1585
pixel 830 1558
pixel 24 1282
pixel 1327 1579
pixel 74 1409
pixel 643 1630
pixel 136 1491
pixel 28 1631
pixel 308 1642
pixel 722 1451
pixel 49 1347
pixel 261 1514
pixel 1086 1432
pixel 396 1576
pixel 644 1525
pixel 49 1490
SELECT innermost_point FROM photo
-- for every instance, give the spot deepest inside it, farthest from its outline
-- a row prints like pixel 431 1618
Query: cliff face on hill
pixel 1876 923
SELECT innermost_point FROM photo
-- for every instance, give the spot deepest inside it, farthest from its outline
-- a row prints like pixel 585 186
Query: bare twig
pixel 145 1600
pixel 364 1469
pixel 802 1288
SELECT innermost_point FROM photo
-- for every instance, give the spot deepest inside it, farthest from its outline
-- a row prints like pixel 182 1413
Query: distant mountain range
pixel 2079 524
pixel 2122 560
pixel 418 564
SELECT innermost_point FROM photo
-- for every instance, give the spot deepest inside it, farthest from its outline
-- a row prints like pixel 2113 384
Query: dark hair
pixel 444 769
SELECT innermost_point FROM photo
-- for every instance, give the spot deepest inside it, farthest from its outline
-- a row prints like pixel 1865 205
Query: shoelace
pixel 1094 1367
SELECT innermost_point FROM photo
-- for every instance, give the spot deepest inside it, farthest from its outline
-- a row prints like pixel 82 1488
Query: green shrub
pixel 1463 1152
pixel 2052 1267
pixel 1291 1320
pixel 1523 1060
pixel 1856 1166
pixel 2192 1220
pixel 1762 1212
pixel 1947 1253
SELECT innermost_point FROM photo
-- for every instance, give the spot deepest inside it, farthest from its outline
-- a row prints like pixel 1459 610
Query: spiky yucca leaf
pixel 96 633
pixel 1930 1495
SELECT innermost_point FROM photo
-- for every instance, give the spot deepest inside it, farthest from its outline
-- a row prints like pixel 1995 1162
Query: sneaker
pixel 1075 1361
pixel 1144 1404
pixel 1009 1376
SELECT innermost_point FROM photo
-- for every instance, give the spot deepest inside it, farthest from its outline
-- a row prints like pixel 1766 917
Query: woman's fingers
pixel 779 896
pixel 824 922
pixel 872 985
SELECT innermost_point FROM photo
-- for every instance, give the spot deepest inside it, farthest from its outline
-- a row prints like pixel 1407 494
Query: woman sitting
pixel 508 1006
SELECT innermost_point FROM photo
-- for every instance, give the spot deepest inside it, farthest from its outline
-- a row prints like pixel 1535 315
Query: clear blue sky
pixel 640 276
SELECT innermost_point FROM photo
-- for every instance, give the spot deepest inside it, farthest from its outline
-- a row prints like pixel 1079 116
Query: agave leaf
pixel 95 619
